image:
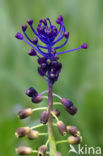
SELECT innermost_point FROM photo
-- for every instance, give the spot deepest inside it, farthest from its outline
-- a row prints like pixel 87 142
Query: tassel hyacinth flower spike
pixel 49 68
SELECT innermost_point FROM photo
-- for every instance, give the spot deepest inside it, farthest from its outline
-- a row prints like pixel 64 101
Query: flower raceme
pixel 49 68
pixel 47 54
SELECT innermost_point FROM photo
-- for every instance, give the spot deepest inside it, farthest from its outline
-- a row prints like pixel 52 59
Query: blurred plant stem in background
pixel 84 73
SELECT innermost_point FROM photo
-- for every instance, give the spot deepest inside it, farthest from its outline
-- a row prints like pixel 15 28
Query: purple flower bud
pixel 47 18
pixel 74 140
pixel 25 113
pixel 43 65
pixel 33 135
pixel 32 52
pixel 31 92
pixel 52 26
pixel 41 20
pixel 84 46
pixel 39 25
pixel 37 99
pixel 60 17
pixel 58 21
pixel 22 131
pixel 35 40
pixel 56 112
pixel 72 130
pixel 40 30
pixel 44 117
pixel 30 21
pixel 72 110
pixel 66 103
pixel 48 33
pixel 41 60
pixel 24 27
pixel 42 150
pixel 45 22
pixel 66 35
pixel 22 150
pixel 59 66
pixel 41 71
pixel 56 57
pixel 57 70
pixel 19 36
pixel 61 127
pixel 43 27
pixel 54 64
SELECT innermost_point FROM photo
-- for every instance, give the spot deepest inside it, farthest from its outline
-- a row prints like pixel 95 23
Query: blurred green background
pixel 81 79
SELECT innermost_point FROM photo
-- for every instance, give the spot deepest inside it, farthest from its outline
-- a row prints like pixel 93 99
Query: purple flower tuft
pixel 30 21
pixel 19 36
pixel 66 35
pixel 84 46
pixel 35 40
pixel 60 17
pixel 49 35
pixel 24 27
pixel 32 52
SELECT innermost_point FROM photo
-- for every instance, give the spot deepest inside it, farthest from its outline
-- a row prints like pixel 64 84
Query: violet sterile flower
pixel 49 68
pixel 49 35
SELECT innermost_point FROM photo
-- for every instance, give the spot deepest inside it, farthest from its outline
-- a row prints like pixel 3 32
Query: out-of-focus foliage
pixel 81 79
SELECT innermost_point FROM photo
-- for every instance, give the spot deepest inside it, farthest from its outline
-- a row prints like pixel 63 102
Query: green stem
pixel 41 108
pixel 37 126
pixel 52 143
pixel 61 141
pixel 59 97
pixel 57 103
pixel 35 151
pixel 47 142
pixel 45 97
pixel 55 116
pixel 43 134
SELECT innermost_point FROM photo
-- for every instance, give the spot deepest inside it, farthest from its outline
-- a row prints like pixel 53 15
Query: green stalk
pixel 52 143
